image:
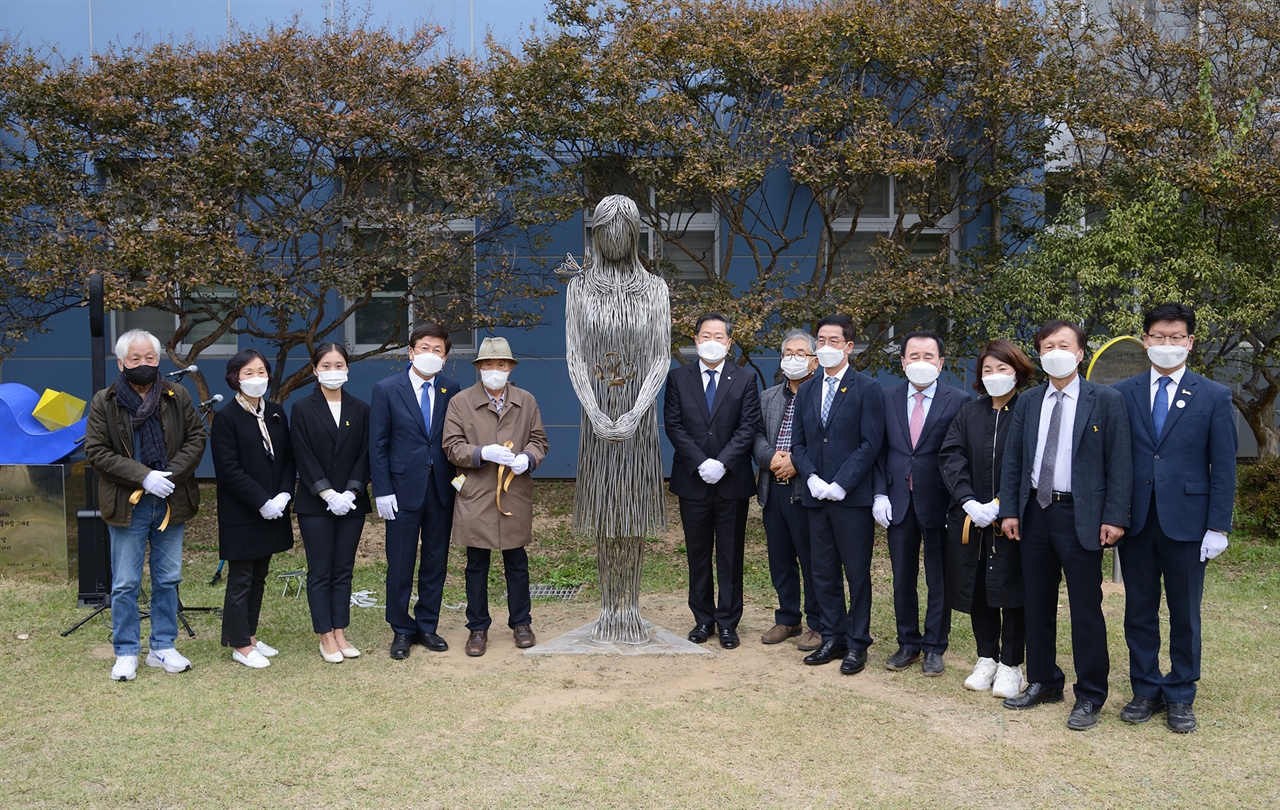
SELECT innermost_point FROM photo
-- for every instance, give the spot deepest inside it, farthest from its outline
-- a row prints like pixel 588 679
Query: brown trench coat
pixel 470 423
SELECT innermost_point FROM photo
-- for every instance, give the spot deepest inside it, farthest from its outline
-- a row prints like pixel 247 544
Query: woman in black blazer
pixel 330 432
pixel 253 460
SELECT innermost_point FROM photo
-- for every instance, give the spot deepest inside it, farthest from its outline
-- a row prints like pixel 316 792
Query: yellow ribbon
pixel 968 526
pixel 137 496
pixel 504 486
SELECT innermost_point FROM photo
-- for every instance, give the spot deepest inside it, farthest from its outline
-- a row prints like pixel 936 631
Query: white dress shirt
pixel 706 378
pixel 839 375
pixel 1170 390
pixel 928 399
pixel 418 382
pixel 1062 467
pixel 335 408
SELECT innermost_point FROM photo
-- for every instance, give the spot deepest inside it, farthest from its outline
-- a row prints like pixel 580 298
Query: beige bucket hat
pixel 495 348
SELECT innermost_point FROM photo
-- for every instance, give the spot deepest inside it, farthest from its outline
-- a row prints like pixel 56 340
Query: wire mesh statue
pixel 618 334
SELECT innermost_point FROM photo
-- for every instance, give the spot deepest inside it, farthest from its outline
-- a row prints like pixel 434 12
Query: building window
pixel 195 307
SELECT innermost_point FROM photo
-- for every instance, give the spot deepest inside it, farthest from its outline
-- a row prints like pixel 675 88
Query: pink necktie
pixel 917 426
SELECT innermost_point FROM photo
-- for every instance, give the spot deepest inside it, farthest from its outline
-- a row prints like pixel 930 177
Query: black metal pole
pixel 93 541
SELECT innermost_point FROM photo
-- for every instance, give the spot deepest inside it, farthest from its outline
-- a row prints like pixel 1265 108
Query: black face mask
pixel 141 375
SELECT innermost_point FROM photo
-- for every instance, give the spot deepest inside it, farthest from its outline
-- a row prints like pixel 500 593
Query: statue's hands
pixel 601 424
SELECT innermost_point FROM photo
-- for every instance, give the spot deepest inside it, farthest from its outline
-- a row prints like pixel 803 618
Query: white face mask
pixel 998 385
pixel 333 380
pixel 922 373
pixel 1167 356
pixel 254 387
pixel 795 368
pixel 493 379
pixel 1059 363
pixel 427 364
pixel 713 351
pixel 829 356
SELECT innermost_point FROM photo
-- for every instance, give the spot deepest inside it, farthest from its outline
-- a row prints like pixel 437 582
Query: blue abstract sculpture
pixel 23 440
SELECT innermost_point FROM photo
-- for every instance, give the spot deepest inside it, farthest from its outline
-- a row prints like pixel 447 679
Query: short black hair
pixel 713 316
pixel 934 336
pixel 431 329
pixel 1053 326
pixel 238 361
pixel 325 348
pixel 843 321
pixel 1171 311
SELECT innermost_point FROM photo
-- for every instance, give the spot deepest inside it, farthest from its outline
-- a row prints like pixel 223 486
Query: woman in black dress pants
pixel 330 431
pixel 253 460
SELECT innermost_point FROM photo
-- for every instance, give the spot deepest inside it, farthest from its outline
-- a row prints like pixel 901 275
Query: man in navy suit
pixel 837 434
pixel 911 499
pixel 1065 489
pixel 1184 483
pixel 711 410
pixel 412 486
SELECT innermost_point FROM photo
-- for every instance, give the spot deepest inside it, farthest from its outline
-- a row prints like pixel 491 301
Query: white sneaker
pixel 266 649
pixel 984 672
pixel 171 660
pixel 254 660
pixel 125 668
pixel 1009 682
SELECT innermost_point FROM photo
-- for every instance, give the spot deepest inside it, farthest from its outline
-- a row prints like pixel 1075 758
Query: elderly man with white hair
pixel 144 440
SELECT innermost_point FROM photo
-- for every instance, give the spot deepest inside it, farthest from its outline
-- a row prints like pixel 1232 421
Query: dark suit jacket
pixel 401 455
pixel 1191 467
pixel 247 479
pixel 1101 459
pixel 725 433
pixel 845 451
pixel 898 459
pixel 330 456
pixel 773 406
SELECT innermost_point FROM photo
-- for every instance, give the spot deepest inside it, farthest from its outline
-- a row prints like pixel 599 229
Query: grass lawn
pixel 750 727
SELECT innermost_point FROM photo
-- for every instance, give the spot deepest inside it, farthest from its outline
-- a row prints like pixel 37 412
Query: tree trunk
pixel 1260 416
pixel 619 561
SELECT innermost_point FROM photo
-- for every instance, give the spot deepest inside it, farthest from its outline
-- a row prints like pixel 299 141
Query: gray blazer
pixel 773 404
pixel 1101 459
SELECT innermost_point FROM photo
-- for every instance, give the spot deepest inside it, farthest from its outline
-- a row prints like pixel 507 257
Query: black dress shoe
pixel 400 644
pixel 1180 718
pixel 1084 715
pixel 854 662
pixel 701 632
pixel 828 652
pixel 1140 709
pixel 729 639
pixel 1034 695
pixel 431 641
pixel 903 658
pixel 933 665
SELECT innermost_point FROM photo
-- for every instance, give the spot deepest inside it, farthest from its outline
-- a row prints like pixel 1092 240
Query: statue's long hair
pixel 615 228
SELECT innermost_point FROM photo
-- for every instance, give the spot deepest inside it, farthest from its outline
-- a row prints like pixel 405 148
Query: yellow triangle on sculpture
pixel 57 410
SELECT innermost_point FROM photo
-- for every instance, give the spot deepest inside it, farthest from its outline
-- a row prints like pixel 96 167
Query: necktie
pixel 711 389
pixel 917 426
pixel 829 398
pixel 1160 410
pixel 426 406
pixel 1044 486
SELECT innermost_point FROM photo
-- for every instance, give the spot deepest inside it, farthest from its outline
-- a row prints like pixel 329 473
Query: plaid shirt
pixel 784 430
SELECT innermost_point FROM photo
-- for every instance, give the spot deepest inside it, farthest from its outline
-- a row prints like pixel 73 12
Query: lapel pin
pixel 1095 428
pixel 846 388
pixel 1186 392
pixel 444 390
pixel 1182 403
pixel 348 424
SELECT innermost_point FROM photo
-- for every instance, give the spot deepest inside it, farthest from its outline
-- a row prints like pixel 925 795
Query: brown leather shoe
pixel 810 640
pixel 524 636
pixel 477 642
pixel 779 633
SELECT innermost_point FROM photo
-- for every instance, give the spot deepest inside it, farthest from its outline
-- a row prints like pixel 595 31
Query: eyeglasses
pixel 804 355
pixel 834 343
pixel 1160 340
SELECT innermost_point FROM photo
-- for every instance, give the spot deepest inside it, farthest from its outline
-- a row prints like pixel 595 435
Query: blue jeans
pixel 128 548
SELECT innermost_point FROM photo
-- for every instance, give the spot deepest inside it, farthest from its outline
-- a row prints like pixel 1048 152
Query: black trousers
pixel 715 526
pixel 786 528
pixel 1051 549
pixel 999 637
pixel 1147 558
pixel 330 542
pixel 840 543
pixel 515 566
pixel 246 580
pixel 429 527
pixel 905 540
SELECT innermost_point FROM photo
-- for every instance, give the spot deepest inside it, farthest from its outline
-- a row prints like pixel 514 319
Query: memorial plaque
pixel 1118 359
pixel 33 519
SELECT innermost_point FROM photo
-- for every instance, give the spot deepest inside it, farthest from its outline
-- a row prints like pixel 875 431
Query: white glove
pixel 834 492
pixel 1213 544
pixel 497 454
pixel 521 464
pixel 350 498
pixel 977 512
pixel 387 506
pixel 817 487
pixel 158 484
pixel 711 471
pixel 991 511
pixel 882 510
pixel 280 501
pixel 270 511
pixel 335 501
